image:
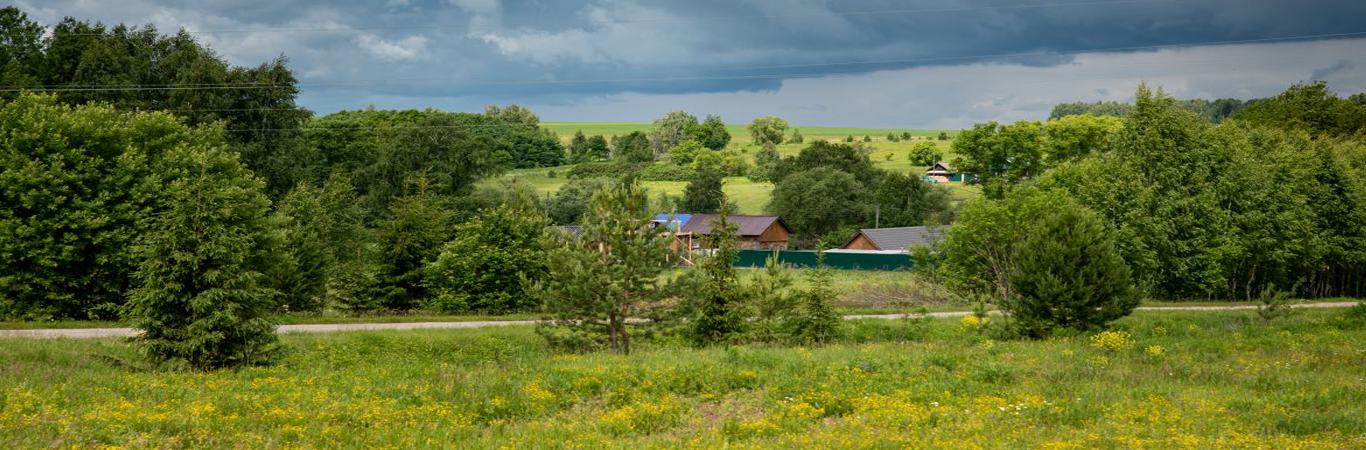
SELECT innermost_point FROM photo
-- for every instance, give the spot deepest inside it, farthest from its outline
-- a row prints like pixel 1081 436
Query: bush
pixel 1068 274
pixel 573 199
pixel 485 267
pixel 602 169
pixel 666 172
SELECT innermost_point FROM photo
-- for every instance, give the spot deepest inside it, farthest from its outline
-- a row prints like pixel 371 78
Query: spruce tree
pixel 1067 274
pixel 817 321
pixel 200 300
pixel 719 298
pixel 407 242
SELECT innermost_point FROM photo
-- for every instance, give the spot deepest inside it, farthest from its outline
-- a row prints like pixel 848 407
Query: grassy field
pixel 749 195
pixel 1179 380
pixel 737 132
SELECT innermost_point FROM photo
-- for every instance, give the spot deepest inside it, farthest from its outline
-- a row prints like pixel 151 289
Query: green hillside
pixel 749 195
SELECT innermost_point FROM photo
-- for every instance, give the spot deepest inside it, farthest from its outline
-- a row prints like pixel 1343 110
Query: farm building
pixel 941 172
pixel 756 232
pixel 674 223
pixel 894 239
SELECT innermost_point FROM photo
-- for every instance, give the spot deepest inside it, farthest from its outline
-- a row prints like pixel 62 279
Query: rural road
pixel 86 333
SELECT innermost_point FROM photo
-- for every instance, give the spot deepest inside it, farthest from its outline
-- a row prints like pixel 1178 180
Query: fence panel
pixel 807 258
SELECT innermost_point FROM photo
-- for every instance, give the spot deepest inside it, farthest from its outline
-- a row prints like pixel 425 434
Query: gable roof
pixel 749 225
pixel 940 166
pixel 900 238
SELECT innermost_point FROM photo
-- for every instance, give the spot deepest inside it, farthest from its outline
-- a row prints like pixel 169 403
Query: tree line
pixel 1270 200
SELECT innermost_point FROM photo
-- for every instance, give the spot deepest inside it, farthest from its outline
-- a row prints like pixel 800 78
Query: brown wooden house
pixel 756 232
pixel 898 239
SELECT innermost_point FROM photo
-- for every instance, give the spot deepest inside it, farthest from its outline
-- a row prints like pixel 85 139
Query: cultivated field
pixel 1178 380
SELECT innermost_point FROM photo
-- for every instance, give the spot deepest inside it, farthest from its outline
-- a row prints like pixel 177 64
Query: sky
pixel 862 63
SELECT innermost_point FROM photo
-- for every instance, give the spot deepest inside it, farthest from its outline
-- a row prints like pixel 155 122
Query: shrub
pixel 485 268
pixel 573 199
pixel 1067 274
pixel 666 172
pixel 602 169
pixel 1273 304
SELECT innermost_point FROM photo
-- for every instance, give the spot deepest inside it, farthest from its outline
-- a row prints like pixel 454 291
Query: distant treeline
pixel 1213 111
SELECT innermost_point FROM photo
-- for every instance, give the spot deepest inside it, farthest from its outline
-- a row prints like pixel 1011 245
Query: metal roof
pixel 749 225
pixel 901 238
pixel 677 223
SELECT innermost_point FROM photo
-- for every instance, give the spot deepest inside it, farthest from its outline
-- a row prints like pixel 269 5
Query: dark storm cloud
pixel 465 53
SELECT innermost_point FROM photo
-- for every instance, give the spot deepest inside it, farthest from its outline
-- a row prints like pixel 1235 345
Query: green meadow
pixel 1161 380
pixel 751 196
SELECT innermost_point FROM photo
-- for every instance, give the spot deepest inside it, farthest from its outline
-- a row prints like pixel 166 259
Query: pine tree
pixel 200 300
pixel 607 275
pixel 1067 274
pixel 720 299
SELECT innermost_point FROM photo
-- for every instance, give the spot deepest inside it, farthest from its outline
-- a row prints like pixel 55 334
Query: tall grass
pixel 1183 380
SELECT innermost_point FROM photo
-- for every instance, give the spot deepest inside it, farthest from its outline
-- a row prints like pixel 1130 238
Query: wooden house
pixel 941 172
pixel 894 239
pixel 755 232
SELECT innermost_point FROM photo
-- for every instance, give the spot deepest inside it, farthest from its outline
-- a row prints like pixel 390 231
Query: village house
pixel 941 172
pixel 755 232
pixel 897 239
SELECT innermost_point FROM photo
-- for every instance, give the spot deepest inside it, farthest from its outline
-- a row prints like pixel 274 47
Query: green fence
pixel 807 258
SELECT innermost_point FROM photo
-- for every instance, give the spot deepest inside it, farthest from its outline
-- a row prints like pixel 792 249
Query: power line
pixel 344 128
pixel 376 82
pixel 660 21
pixel 984 70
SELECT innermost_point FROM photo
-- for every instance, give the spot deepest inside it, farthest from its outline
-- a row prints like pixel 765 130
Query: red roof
pixel 749 225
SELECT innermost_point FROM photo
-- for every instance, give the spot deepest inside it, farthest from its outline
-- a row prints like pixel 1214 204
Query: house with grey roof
pixel 895 239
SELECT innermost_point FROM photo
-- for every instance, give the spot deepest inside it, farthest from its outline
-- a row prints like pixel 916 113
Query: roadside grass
pixel 1188 380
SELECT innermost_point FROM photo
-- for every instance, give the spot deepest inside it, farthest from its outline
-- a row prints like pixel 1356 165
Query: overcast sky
pixel 892 63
